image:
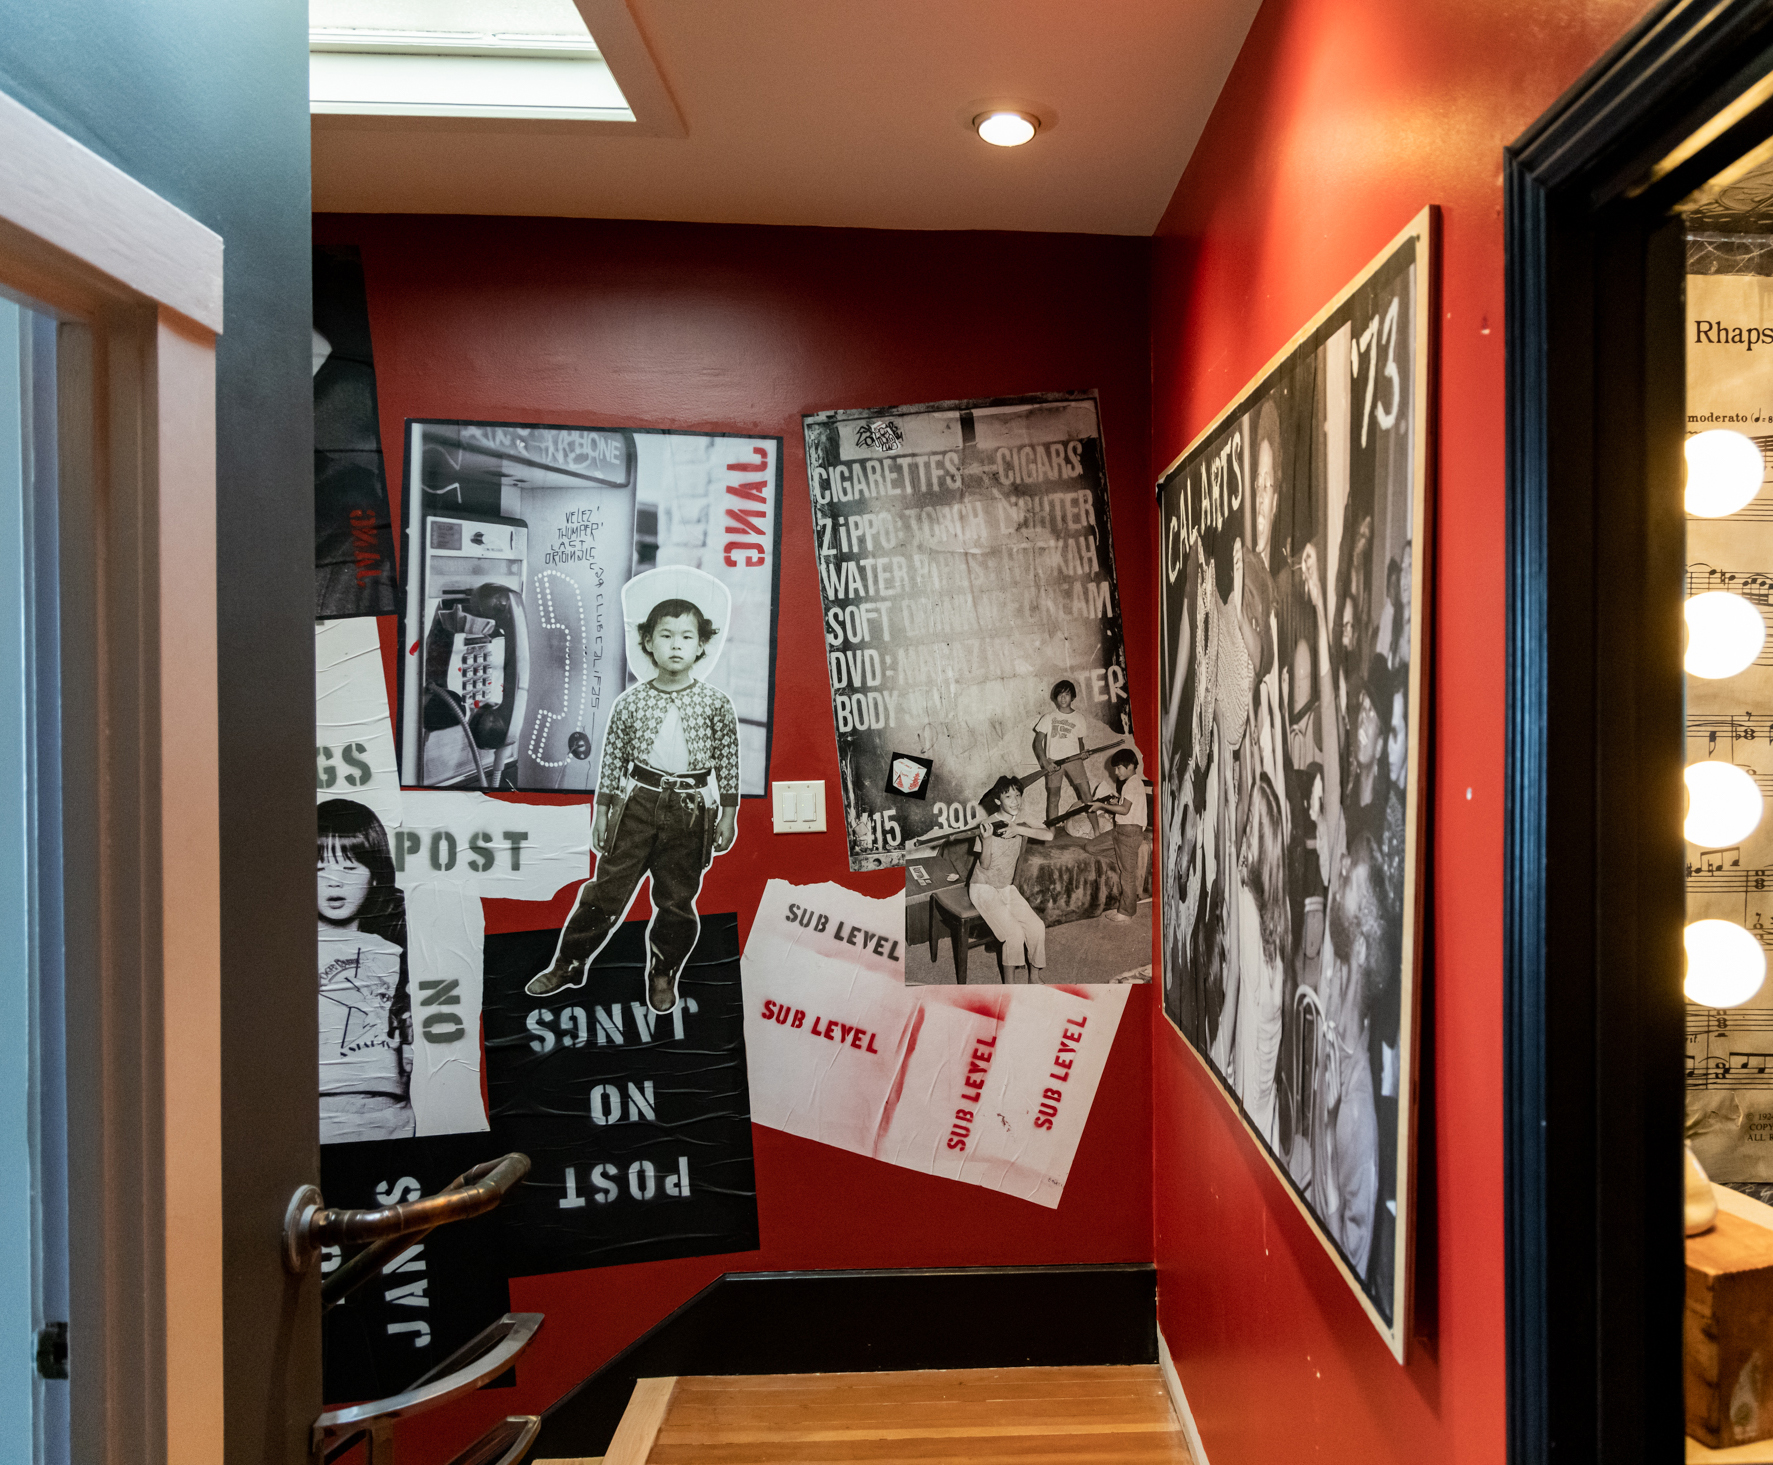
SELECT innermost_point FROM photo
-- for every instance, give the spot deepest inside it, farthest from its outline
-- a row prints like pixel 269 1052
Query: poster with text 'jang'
pixel 520 538
pixel 1294 562
pixel 966 566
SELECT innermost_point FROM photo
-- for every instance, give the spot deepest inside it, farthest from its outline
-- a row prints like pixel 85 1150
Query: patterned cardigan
pixel 710 731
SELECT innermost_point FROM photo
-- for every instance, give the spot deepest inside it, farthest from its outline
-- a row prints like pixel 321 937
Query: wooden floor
pixel 995 1416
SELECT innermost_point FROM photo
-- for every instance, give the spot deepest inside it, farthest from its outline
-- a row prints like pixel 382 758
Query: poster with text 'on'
pixel 989 1086
pixel 972 622
pixel 401 875
pixel 520 538
pixel 1294 559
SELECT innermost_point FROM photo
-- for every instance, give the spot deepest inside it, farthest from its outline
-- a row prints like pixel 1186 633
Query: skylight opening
pixel 458 58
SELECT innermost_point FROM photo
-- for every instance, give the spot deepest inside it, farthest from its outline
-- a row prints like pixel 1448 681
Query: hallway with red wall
pixel 1339 122
pixel 742 329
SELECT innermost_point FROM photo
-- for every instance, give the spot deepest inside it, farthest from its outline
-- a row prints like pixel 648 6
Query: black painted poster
pixel 353 524
pixel 638 1129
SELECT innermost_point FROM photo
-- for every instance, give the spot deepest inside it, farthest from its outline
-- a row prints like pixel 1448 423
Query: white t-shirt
pixel 359 977
pixel 1133 791
pixel 670 753
pixel 1063 732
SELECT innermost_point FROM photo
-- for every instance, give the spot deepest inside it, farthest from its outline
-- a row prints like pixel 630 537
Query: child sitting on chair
pixel 992 884
pixel 670 760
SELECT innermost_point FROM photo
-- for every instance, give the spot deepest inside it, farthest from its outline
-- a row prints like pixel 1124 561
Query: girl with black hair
pixel 365 1008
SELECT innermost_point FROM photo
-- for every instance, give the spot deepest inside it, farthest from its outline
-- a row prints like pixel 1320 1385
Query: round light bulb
pixel 1725 964
pixel 1005 129
pixel 1724 472
pixel 1724 634
pixel 1723 804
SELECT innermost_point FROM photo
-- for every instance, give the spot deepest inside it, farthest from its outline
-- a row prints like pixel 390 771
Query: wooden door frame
pixel 1594 894
pixel 137 288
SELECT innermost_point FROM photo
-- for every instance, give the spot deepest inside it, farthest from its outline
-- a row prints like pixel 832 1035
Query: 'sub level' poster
pixel 966 566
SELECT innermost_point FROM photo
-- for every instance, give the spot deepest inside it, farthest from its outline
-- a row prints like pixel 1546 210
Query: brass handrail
pixel 310 1223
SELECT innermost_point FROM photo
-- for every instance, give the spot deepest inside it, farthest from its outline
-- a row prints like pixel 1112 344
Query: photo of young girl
pixel 992 884
pixel 365 1007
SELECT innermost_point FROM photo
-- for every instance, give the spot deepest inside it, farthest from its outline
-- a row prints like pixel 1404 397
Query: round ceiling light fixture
pixel 1006 129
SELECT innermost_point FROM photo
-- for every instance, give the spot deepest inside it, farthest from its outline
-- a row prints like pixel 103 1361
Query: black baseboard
pixel 857 1322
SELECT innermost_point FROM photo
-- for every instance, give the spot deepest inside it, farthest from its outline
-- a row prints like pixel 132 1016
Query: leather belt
pixel 654 779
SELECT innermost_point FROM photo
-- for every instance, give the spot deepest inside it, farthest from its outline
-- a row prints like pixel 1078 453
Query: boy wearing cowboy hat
pixel 667 787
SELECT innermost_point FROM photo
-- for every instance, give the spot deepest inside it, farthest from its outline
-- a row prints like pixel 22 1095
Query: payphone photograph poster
pixel 1293 543
pixel 520 539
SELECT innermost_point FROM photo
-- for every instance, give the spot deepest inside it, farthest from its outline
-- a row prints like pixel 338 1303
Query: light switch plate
pixel 800 806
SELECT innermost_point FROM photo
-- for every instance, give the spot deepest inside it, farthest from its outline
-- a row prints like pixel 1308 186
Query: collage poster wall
pixel 1293 541
pixel 966 563
pixel 1729 1117
pixel 434 1056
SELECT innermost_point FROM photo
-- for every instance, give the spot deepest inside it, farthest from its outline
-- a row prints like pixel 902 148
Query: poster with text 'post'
pixel 966 566
pixel 989 1086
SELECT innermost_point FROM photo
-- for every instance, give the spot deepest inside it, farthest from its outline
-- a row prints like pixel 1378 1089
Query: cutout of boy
pixel 670 761
pixel 1058 735
pixel 1121 792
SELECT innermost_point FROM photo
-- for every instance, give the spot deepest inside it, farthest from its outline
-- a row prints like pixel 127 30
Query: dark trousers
pixel 1124 841
pixel 669 835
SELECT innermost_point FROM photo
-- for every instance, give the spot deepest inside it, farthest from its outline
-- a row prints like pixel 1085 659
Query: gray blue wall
pixel 205 101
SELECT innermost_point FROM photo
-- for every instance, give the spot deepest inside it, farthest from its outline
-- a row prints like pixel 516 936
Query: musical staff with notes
pixel 1755 586
pixel 1729 1049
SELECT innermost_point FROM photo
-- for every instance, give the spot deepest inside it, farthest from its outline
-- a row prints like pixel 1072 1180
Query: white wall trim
pixel 66 196
pixel 1179 1400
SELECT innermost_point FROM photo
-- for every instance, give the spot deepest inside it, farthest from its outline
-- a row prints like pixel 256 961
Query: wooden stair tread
pixel 989 1416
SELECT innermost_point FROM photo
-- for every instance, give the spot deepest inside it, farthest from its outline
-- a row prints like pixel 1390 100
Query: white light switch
pixel 799 807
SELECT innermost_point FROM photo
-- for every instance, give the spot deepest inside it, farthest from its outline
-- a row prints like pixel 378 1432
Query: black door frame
pixel 1594 895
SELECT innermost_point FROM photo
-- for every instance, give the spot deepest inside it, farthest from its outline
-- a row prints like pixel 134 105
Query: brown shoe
pixel 559 975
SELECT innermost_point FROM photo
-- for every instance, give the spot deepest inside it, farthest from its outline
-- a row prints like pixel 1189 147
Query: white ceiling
pixel 833 112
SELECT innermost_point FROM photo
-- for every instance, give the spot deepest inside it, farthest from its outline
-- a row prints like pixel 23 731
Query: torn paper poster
pixel 990 1085
pixel 400 950
pixel 353 737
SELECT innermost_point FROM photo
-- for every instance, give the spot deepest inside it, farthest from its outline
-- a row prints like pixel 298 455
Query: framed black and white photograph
pixel 520 538
pixel 1294 565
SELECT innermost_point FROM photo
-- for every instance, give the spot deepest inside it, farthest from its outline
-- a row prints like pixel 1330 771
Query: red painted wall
pixel 743 329
pixel 1339 122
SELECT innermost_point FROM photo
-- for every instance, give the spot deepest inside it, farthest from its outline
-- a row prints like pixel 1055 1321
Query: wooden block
pixel 632 1443
pixel 1727 1333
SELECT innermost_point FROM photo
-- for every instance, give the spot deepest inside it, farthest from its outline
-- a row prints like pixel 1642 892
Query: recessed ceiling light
pixel 1006 129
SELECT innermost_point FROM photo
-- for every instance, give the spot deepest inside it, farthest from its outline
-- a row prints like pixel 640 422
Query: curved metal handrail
pixel 486 1356
pixel 505 1443
pixel 310 1223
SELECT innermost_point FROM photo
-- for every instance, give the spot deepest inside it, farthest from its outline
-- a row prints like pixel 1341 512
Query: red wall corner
pixel 1339 122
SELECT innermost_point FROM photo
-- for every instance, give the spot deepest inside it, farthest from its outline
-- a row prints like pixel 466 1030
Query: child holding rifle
pixel 992 886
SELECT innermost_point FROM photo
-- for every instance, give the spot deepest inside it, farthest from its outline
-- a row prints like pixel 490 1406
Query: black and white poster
pixel 353 525
pixel 966 564
pixel 638 1129
pixel 1293 538
pixel 520 539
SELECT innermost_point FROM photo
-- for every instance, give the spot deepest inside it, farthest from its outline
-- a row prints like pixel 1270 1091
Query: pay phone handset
pixel 472 667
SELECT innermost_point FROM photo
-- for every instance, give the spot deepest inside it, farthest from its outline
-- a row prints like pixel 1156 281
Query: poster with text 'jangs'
pixel 972 623
pixel 990 1086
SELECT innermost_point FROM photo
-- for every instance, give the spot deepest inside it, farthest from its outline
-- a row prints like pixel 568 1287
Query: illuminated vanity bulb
pixel 1724 472
pixel 1724 634
pixel 1725 964
pixel 1723 804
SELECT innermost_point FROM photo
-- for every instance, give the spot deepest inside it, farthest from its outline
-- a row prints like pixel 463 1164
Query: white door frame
pixel 137 287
